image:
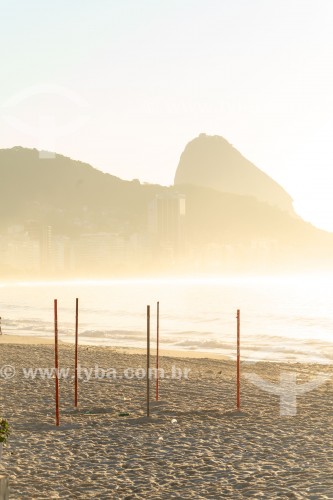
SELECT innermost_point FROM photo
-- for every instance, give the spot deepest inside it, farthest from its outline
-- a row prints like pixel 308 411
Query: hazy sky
pixel 125 84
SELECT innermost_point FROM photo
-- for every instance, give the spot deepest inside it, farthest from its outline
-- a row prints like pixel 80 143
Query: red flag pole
pixel 148 359
pixel 157 347
pixel 238 359
pixel 56 363
pixel 76 350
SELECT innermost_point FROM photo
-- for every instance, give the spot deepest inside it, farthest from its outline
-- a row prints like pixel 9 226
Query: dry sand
pixel 194 445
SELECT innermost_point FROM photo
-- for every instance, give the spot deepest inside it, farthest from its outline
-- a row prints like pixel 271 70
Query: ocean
pixel 282 318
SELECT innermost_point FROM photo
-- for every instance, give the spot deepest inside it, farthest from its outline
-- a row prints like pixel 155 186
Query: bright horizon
pixel 125 86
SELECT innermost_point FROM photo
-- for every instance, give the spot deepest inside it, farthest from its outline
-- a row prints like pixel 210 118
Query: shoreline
pixel 36 340
pixel 6 339
pixel 31 340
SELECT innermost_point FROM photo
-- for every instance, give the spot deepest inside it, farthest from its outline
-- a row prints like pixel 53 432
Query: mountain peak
pixel 211 161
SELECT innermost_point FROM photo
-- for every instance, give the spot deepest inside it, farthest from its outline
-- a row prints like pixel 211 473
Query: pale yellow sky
pixel 125 85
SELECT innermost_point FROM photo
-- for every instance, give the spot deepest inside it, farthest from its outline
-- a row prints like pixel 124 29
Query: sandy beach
pixel 194 444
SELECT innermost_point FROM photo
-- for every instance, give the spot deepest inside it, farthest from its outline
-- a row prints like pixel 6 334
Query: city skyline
pixel 65 218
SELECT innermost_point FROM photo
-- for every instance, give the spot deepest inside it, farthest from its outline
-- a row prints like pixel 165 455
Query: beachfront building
pixel 166 226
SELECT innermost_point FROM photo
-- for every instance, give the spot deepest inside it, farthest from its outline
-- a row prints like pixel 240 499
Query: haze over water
pixel 285 318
